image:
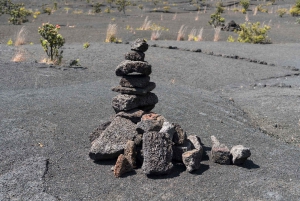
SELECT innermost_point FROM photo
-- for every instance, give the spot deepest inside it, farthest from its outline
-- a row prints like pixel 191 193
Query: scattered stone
pixel 122 166
pixel 231 26
pixel 134 115
pixel 157 150
pixel 126 67
pixel 139 45
pixel 150 122
pixel 135 56
pixel 219 152
pixel 130 153
pixel 134 90
pixel 113 140
pixel 169 128
pixel 192 159
pixel 179 136
pixel 178 150
pixel 140 81
pixel 125 102
pixel 239 154
pixel 196 141
pixel 97 132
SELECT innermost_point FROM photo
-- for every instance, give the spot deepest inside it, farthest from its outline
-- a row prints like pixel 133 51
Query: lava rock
pixel 219 152
pixel 126 67
pixel 134 115
pixel 239 154
pixel 178 150
pixel 125 102
pixel 179 136
pixel 192 159
pixel 138 140
pixel 169 128
pixel 122 166
pixel 135 56
pixel 140 81
pixel 98 131
pixel 113 140
pixel 139 45
pixel 135 90
pixel 130 153
pixel 150 122
pixel 196 141
pixel 157 151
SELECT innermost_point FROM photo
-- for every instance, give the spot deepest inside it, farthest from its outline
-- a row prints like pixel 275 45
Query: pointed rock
pixel 139 45
pixel 239 154
pixel 195 140
pixel 130 153
pixel 192 159
pixel 219 152
pixel 135 90
pixel 122 166
pixel 126 67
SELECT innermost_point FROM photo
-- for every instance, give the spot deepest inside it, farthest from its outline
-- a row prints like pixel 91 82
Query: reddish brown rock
pixel 122 166
pixel 130 153
pixel 134 115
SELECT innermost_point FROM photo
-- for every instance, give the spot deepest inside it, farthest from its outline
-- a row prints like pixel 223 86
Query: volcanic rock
pixel 150 122
pixel 130 153
pixel 239 154
pixel 219 152
pixel 134 90
pixel 178 150
pixel 139 45
pixel 140 81
pixel 135 56
pixel 196 142
pixel 122 166
pixel 179 135
pixel 138 140
pixel 134 115
pixel 157 151
pixel 192 159
pixel 113 140
pixel 126 67
pixel 98 131
pixel 169 128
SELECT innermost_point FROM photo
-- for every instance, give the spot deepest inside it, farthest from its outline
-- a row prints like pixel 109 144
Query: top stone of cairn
pixel 139 45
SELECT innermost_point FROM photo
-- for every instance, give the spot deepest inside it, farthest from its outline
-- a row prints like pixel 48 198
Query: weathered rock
pixel 157 150
pixel 138 140
pixel 125 102
pixel 196 142
pixel 192 159
pixel 130 153
pixel 150 122
pixel 179 135
pixel 139 45
pixel 178 150
pixel 239 154
pixel 122 166
pixel 169 128
pixel 112 141
pixel 98 131
pixel 135 90
pixel 126 67
pixel 135 56
pixel 219 152
pixel 231 26
pixel 140 81
pixel 134 115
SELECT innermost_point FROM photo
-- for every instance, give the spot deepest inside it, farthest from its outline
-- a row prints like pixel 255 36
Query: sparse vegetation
pixel 122 4
pixel 262 8
pixel 181 33
pixel 111 34
pixel 295 10
pixel 86 45
pixel 18 13
pixel 97 8
pixel 245 4
pixel 216 19
pixel 20 40
pixel 10 42
pixel 281 11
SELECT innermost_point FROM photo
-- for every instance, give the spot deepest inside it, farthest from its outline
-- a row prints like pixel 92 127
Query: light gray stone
pixel 98 131
pixel 196 141
pixel 127 67
pixel 169 128
pixel 134 90
pixel 178 150
pixel 192 159
pixel 239 154
pixel 219 152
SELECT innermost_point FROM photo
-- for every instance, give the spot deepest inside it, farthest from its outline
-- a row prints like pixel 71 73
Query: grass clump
pixel 295 10
pixel 111 34
pixel 86 45
pixel 281 11
pixel 10 42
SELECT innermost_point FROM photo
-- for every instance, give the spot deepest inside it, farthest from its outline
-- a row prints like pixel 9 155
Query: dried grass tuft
pixel 255 10
pixel 175 16
pixel 20 40
pixel 111 33
pixel 192 35
pixel 181 33
pixel 217 34
pixel 19 56
pixel 146 25
pixel 200 35
pixel 155 35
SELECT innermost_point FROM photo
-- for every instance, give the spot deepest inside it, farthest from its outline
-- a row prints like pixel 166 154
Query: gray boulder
pixel 179 135
pixel 135 90
pixel 125 102
pixel 157 152
pixel 196 142
pixel 126 67
pixel 139 45
pixel 239 154
pixel 135 56
pixel 98 131
pixel 219 152
pixel 192 159
pixel 134 115
pixel 113 140
pixel 178 150
pixel 140 81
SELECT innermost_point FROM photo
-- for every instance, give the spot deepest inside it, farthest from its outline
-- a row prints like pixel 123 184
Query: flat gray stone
pixel 97 132
pixel 113 140
pixel 126 67
pixel 139 45
pixel 179 135
pixel 135 90
pixel 140 81
pixel 196 141
pixel 135 56
pixel 134 115
pixel 125 102
pixel 192 159
pixel 178 150
pixel 157 151
pixel 239 154
pixel 219 152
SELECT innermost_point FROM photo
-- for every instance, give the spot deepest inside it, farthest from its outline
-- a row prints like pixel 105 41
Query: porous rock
pixel 219 152
pixel 157 151
pixel 169 128
pixel 138 140
pixel 135 90
pixel 125 102
pixel 130 153
pixel 179 135
pixel 150 122
pixel 135 56
pixel 139 45
pixel 98 131
pixel 192 159
pixel 126 67
pixel 178 150
pixel 112 141
pixel 140 81
pixel 134 115
pixel 239 154
pixel 196 141
pixel 122 166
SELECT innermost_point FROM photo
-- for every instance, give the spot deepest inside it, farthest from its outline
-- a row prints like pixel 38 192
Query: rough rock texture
pixel 113 140
pixel 150 122
pixel 139 45
pixel 97 132
pixel 157 151
pixel 219 152
pixel 135 90
pixel 179 136
pixel 125 102
pixel 126 67
pixel 192 159
pixel 178 150
pixel 134 115
pixel 135 56
pixel 140 81
pixel 169 128
pixel 231 26
pixel 130 153
pixel 122 166
pixel 196 141
pixel 239 154
pixel 138 140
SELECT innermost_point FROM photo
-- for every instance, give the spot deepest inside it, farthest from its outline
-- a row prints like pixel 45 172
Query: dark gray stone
pixel 122 166
pixel 178 150
pixel 219 152
pixel 134 115
pixel 179 135
pixel 135 90
pixel 138 140
pixel 150 122
pixel 140 81
pixel 126 67
pixel 113 140
pixel 157 151
pixel 125 102
pixel 97 132
pixel 139 45
pixel 192 159
pixel 135 56
pixel 196 142
pixel 239 154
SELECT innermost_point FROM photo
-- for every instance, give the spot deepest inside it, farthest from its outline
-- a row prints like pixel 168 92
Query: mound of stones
pixel 231 26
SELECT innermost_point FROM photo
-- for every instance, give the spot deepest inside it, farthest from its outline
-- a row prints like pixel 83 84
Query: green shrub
pixel 281 11
pixel 253 33
pixel 261 8
pixel 51 42
pixel 245 4
pixel 47 10
pixel 10 42
pixel 96 8
pixel 86 45
pixel 122 4
pixel 216 19
pixel 107 10
pixel 295 10
pixel 230 39
pixel 18 13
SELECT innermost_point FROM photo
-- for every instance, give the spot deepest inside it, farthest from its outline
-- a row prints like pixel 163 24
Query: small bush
pixel 107 10
pixel 281 11
pixel 86 45
pixel 216 19
pixel 96 8
pixel 245 4
pixel 18 13
pixel 10 42
pixel 253 33
pixel 295 10
pixel 261 8
pixel 47 10
pixel 230 39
